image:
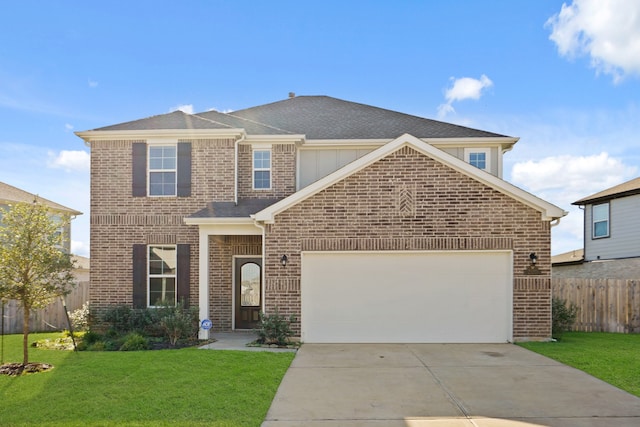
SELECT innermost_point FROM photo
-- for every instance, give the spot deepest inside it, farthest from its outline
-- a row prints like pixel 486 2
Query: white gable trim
pixel 549 212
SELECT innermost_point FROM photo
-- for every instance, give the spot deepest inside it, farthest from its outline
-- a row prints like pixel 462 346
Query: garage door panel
pixel 406 297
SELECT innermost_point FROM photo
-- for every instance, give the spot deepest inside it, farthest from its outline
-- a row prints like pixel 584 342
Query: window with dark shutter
pixel 184 169
pixel 139 276
pixel 184 273
pixel 139 166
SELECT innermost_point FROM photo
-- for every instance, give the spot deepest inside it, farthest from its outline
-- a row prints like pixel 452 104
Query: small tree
pixel 34 268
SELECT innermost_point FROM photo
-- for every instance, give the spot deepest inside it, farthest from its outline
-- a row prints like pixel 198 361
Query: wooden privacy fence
pixel 604 305
pixel 50 318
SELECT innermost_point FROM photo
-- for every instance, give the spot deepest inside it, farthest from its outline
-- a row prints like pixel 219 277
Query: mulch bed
pixel 16 369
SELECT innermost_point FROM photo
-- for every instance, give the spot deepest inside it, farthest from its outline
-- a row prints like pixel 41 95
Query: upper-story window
pixel 162 170
pixel 478 157
pixel 600 219
pixel 262 170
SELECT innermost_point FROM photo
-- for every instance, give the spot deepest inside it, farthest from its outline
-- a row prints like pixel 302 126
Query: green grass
pixel 614 358
pixel 147 388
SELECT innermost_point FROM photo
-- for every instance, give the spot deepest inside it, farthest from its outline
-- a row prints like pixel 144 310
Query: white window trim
pixel 149 275
pixel 593 222
pixel 254 169
pixel 486 151
pixel 174 170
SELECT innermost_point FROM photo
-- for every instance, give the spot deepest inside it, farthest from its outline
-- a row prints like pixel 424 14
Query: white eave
pixel 548 211
pixel 97 135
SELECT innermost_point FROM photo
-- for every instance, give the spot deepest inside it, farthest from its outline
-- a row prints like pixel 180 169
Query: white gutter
pixel 235 168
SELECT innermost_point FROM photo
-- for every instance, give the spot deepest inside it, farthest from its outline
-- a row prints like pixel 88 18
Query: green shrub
pixel 275 328
pixel 97 346
pixel 563 317
pixel 179 322
pixel 119 318
pixel 134 342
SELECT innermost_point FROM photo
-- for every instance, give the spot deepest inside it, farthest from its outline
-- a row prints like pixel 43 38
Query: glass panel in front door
pixel 250 285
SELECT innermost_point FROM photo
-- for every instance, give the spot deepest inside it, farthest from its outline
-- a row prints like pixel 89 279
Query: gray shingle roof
pixel 9 194
pixel 324 117
pixel 316 117
pixel 251 127
pixel 176 120
pixel 625 189
pixel 243 209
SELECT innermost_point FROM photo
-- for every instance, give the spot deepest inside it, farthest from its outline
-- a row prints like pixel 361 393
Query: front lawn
pixel 190 387
pixel 614 358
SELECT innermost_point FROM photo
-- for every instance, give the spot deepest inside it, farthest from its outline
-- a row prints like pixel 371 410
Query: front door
pixel 248 292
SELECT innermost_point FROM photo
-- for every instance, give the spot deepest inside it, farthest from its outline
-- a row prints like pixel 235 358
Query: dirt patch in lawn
pixel 16 369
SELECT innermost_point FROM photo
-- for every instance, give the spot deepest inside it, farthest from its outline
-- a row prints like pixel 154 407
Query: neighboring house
pixel 368 225
pixel 52 317
pixel 10 194
pixel 611 235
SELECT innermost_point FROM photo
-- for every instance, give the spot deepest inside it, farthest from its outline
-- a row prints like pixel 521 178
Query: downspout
pixel 235 168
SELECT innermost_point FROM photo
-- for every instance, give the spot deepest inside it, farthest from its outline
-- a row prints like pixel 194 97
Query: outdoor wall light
pixel 284 260
pixel 532 269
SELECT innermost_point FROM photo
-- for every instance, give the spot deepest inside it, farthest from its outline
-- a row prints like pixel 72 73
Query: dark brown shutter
pixel 139 169
pixel 139 276
pixel 184 169
pixel 184 273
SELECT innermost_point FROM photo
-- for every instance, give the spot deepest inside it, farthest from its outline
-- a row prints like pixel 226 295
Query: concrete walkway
pixel 238 340
pixel 453 385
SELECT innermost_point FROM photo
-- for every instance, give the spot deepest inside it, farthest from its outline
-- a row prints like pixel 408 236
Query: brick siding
pixel 444 210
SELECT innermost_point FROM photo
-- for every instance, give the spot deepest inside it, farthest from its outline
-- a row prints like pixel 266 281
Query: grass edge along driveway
pixel 611 357
pixel 142 388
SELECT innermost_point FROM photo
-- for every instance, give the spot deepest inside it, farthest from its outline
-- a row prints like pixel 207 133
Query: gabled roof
pixel 9 194
pixel 548 211
pixel 315 117
pixel 324 117
pixel 625 189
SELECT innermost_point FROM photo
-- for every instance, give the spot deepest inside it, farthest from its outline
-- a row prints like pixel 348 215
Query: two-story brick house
pixel 369 225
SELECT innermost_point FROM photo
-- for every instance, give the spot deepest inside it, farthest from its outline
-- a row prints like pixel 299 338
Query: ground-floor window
pixel 162 275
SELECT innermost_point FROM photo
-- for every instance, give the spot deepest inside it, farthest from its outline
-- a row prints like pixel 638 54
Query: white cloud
pixel 608 31
pixel 68 127
pixel 70 160
pixel 185 108
pixel 564 179
pixel 79 248
pixel 92 83
pixel 461 89
pixel 567 178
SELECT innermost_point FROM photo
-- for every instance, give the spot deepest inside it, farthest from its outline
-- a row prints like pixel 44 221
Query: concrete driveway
pixel 454 385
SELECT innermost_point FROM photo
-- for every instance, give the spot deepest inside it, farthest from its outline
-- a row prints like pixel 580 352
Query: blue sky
pixel 562 76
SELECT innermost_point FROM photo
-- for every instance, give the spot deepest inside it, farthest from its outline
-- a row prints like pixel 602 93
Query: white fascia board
pixel 225 226
pixel 549 211
pixel 273 139
pixel 506 143
pixel 97 135
pixel 344 143
pixel 222 221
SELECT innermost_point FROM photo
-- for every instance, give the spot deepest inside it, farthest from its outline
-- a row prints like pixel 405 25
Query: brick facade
pixel 405 201
pixel 444 210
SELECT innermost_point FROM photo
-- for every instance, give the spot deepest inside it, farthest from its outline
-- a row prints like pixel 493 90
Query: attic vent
pixel 292 94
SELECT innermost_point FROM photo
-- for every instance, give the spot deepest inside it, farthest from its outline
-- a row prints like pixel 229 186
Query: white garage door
pixel 404 297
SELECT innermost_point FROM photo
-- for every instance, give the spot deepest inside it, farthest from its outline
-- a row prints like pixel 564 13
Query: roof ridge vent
pixel 292 94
